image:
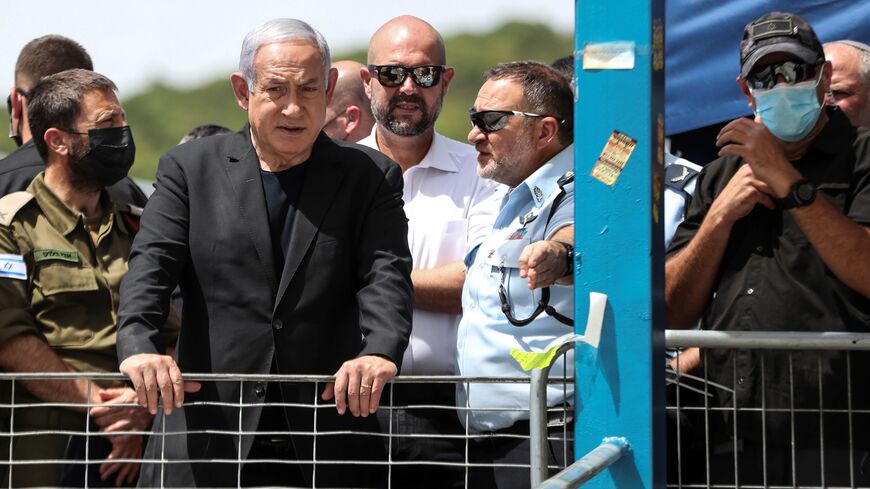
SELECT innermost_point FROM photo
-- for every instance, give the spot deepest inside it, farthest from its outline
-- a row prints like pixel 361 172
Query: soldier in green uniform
pixel 63 251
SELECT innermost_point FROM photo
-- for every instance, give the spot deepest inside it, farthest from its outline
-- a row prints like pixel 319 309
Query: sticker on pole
pixel 617 55
pixel 613 158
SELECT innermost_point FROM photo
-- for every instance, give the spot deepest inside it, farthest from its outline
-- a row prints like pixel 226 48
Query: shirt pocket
pixel 68 304
pixel 57 278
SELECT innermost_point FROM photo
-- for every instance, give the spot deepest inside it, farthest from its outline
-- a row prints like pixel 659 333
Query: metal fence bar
pixel 767 340
pixel 169 436
pixel 538 444
pixel 820 437
pixel 606 454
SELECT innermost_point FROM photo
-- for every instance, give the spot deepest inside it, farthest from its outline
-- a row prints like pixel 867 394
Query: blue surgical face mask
pixel 789 111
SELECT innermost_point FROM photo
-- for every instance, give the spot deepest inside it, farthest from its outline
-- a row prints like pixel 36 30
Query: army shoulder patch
pixel 13 266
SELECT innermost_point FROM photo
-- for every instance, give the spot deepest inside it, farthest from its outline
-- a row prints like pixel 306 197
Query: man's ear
pixel 549 130
pixel 330 88
pixel 446 76
pixel 827 73
pixel 352 115
pixel 744 88
pixel 17 102
pixel 366 78
pixel 240 89
pixel 56 142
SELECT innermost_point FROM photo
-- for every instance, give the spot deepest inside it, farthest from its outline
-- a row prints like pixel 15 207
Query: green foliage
pixel 161 115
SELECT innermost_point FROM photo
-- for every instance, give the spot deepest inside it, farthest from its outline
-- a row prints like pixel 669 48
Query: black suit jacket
pixel 345 290
pixel 20 168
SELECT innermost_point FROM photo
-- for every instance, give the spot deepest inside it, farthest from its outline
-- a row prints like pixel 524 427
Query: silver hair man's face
pixel 279 30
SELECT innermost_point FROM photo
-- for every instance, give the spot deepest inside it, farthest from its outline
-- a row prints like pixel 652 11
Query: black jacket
pixel 345 291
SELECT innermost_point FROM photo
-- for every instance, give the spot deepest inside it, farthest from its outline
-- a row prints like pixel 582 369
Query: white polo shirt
pixel 450 211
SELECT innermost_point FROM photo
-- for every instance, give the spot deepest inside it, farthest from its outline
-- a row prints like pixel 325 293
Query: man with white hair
pixel 291 252
pixel 850 81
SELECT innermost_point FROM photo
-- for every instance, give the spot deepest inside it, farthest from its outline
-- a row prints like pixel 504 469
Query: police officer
pixel 526 143
pixel 63 250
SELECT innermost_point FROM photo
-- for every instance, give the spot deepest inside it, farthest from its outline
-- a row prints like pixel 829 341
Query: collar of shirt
pixel 545 179
pixel 440 155
pixel 60 216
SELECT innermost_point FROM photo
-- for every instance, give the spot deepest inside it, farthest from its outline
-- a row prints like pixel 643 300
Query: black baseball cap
pixel 779 32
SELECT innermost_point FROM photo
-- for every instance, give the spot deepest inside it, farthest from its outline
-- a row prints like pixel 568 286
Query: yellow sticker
pixel 613 158
pixel 530 360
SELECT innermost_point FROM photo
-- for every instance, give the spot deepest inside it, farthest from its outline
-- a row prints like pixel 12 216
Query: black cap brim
pixel 802 52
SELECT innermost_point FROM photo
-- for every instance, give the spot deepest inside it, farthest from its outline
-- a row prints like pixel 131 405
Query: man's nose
pixel 408 85
pixel 291 107
pixel 475 134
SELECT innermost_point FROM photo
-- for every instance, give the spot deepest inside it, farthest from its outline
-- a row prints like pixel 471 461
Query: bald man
pixel 850 82
pixel 349 114
pixel 450 210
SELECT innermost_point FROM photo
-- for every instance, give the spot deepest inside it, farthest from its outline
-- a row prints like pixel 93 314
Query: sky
pixel 186 42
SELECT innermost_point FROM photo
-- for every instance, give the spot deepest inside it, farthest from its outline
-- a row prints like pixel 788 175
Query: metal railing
pixel 769 409
pixel 13 432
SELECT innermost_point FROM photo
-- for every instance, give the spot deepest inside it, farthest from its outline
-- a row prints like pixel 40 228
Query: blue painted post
pixel 620 386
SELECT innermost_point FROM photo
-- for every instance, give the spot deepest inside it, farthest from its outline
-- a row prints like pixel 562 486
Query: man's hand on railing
pixel 359 384
pixel 123 447
pixel 152 374
pixel 111 417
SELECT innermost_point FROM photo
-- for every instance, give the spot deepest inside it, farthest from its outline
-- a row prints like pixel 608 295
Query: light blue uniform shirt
pixel 485 337
pixel 680 178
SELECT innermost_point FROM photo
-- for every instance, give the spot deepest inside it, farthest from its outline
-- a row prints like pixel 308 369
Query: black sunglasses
pixel 493 120
pixel 791 71
pixel 424 76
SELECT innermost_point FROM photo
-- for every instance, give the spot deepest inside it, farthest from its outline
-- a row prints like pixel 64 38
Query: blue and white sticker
pixel 13 266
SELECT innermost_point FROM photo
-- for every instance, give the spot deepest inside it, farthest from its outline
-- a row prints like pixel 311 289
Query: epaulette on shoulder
pixel 10 204
pixel 677 176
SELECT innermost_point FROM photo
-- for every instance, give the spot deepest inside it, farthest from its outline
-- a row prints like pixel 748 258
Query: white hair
pixel 863 52
pixel 280 30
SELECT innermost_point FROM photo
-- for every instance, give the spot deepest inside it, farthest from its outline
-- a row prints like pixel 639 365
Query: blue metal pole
pixel 619 135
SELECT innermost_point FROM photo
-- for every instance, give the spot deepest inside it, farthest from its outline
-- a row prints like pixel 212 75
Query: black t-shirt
pixel 282 190
pixel 772 279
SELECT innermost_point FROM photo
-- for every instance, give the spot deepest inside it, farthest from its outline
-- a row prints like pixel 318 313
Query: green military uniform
pixel 60 282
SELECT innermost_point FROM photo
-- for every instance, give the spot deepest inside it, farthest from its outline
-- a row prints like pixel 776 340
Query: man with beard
pixel 63 250
pixel 518 291
pixel 450 210
pixel 41 57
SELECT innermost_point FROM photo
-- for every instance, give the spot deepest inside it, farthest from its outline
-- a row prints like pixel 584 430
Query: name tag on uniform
pixel 42 254
pixel 13 266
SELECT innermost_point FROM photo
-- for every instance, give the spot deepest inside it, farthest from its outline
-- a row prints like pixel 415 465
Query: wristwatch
pixel 569 262
pixel 801 194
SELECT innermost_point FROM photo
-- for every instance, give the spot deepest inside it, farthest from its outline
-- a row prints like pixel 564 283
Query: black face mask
pixel 111 155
